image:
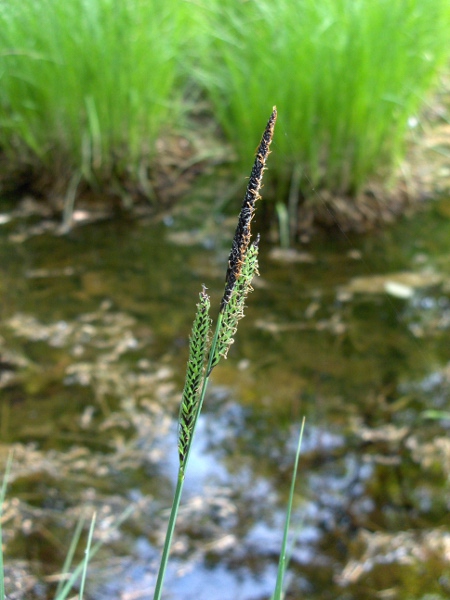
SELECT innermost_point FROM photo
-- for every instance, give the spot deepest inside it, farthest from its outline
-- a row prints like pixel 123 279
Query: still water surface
pixel 352 333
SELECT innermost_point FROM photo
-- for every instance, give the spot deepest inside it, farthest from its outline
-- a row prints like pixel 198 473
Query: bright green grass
pixel 345 75
pixel 86 86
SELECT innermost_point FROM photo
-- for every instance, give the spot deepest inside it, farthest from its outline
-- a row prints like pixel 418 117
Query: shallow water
pixel 352 333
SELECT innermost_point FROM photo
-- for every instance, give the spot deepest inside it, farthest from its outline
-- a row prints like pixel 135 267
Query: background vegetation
pixel 345 75
pixel 88 87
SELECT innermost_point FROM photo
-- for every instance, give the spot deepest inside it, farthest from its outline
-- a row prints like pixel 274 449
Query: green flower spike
pixel 194 374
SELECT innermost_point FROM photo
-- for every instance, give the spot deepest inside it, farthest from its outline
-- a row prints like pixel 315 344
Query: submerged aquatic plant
pixel 204 354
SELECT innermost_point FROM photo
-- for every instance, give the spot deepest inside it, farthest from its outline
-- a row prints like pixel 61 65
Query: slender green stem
pixel 169 535
pixel 62 595
pixel 86 557
pixel 282 563
pixel 70 555
pixel 2 499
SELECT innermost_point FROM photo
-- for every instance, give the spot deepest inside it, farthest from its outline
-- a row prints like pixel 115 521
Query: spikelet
pixel 198 343
pixel 234 308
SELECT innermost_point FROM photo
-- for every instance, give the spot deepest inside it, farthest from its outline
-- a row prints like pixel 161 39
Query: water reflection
pixel 353 334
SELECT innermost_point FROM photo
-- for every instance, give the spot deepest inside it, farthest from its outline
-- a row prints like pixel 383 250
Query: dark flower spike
pixel 242 235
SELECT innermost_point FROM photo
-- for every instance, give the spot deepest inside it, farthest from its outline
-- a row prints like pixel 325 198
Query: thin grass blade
pixel 87 556
pixel 282 563
pixel 95 548
pixel 2 499
pixel 69 557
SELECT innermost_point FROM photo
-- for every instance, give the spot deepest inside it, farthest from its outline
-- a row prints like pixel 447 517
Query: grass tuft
pixel 346 76
pixel 88 86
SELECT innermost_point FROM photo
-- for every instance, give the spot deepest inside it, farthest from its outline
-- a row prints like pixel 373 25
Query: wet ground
pixel 351 332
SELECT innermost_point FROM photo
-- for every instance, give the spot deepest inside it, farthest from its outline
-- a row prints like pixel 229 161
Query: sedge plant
pixel 283 561
pixel 87 87
pixel 359 70
pixel 205 349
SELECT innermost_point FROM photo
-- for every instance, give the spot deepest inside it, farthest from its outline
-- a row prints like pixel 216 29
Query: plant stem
pixel 169 535
pixel 282 563
pixel 2 499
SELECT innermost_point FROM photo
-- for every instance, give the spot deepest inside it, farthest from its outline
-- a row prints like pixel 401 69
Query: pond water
pixel 350 332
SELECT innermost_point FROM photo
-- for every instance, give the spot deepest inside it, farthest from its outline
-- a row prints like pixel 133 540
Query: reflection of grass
pixel 346 76
pixel 86 86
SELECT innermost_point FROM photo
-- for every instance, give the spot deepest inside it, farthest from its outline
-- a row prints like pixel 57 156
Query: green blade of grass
pixel 87 556
pixel 2 499
pixel 64 592
pixel 346 77
pixel 70 554
pixel 282 563
pixel 436 415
